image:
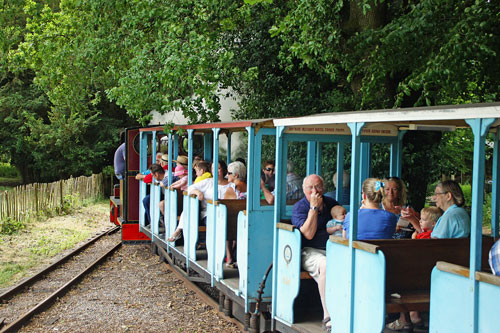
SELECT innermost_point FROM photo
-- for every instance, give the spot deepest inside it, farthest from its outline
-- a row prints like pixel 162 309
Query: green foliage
pixel 8 270
pixel 9 226
pixel 467 190
pixel 56 123
pixel 72 73
pixel 8 171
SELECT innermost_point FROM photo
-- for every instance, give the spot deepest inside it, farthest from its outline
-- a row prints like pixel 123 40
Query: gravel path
pixel 131 292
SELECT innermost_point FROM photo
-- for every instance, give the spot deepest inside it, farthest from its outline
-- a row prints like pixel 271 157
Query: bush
pixel 9 226
pixel 8 171
pixel 467 189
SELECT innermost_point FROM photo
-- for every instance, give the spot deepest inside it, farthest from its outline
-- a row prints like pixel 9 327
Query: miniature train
pixel 267 291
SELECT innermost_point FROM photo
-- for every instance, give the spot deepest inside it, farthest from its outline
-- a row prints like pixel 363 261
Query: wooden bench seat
pixel 234 207
pixel 409 263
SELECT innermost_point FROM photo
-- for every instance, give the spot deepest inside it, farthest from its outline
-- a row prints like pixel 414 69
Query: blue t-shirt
pixel 373 224
pixel 299 216
pixel 454 223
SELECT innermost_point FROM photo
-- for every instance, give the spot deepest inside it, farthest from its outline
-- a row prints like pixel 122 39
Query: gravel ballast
pixel 130 292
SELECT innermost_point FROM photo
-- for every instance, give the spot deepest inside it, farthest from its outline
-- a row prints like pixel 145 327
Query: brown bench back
pixel 409 262
pixel 234 207
pixel 180 201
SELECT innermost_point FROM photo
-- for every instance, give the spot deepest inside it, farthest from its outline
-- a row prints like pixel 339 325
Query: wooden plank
pixel 452 268
pixel 364 246
pixel 285 226
pixel 488 278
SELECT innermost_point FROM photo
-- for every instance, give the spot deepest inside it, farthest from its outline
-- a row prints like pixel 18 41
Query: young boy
pixel 428 219
pixel 202 171
pixel 334 226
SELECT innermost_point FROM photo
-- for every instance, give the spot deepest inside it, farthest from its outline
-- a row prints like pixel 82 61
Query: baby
pixel 428 219
pixel 334 226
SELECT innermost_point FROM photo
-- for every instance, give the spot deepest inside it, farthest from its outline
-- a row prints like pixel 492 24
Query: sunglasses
pixel 269 169
pixel 229 173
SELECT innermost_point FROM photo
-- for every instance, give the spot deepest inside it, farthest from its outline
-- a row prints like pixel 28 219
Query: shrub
pixel 9 226
pixel 8 171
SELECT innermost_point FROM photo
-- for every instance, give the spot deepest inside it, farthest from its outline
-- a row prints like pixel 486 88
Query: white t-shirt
pixel 206 187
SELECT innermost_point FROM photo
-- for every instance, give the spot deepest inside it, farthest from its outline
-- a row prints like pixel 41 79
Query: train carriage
pixel 362 275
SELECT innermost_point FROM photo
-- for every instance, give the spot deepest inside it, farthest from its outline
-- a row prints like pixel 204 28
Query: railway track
pixel 38 292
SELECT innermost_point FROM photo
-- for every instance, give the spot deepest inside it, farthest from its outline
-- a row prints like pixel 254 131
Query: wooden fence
pixel 25 201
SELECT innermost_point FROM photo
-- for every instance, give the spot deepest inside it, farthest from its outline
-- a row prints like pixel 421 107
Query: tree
pixel 56 126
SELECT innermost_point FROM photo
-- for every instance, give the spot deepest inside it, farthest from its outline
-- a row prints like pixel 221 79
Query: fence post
pixel 62 196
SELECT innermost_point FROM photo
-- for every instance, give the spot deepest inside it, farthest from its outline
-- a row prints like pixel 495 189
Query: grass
pixel 31 248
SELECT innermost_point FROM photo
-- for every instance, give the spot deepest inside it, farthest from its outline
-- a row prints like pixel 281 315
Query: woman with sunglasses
pixel 238 190
pixel 455 222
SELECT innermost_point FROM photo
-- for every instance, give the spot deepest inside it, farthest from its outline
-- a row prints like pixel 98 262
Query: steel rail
pixel 197 290
pixel 38 276
pixel 15 325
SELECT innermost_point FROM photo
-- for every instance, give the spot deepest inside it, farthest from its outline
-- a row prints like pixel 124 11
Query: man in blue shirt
pixel 310 215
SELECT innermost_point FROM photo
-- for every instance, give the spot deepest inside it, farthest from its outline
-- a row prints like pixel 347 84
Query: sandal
pixel 398 326
pixel 326 324
pixel 175 236
pixel 232 265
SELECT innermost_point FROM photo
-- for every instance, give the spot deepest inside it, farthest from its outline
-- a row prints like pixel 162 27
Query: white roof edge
pixel 449 112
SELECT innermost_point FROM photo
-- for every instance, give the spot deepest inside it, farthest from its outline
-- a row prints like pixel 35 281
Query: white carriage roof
pixel 449 115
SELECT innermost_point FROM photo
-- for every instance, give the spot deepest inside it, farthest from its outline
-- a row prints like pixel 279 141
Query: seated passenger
pixel 202 171
pixel 236 174
pixel 268 175
pixel 455 222
pixel 293 183
pixel 310 215
pixel 373 222
pixel 334 226
pixel 494 258
pixel 158 173
pixel 428 219
pixel 181 173
pixel 147 177
pixel 204 190
pixel 293 187
pixel 346 188
pixel 395 194
pixel 179 180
